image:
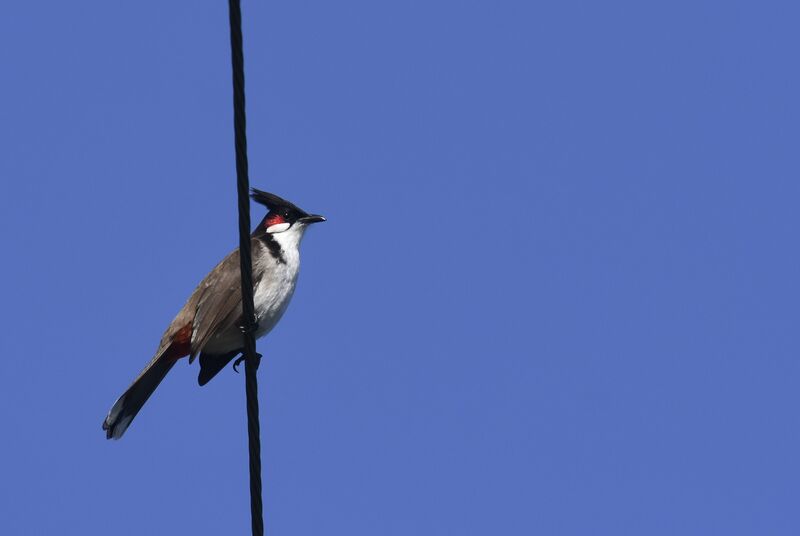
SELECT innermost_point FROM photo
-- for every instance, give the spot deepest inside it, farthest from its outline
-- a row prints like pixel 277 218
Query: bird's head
pixel 283 215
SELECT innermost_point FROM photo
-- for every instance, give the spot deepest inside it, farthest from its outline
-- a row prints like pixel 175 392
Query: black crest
pixel 273 202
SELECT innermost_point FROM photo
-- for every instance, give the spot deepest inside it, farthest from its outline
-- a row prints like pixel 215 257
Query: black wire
pixel 246 265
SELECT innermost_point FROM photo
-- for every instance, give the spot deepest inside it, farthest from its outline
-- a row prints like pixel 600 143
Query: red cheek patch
pixel 274 220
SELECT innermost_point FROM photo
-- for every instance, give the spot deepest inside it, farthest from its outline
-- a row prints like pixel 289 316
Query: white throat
pixel 289 240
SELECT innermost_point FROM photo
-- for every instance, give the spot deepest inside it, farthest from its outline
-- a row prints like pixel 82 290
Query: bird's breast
pixel 274 290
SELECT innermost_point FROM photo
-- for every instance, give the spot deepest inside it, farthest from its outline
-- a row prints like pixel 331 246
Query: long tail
pixel 132 400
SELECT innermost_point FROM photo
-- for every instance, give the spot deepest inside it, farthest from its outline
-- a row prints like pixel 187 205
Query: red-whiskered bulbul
pixel 210 324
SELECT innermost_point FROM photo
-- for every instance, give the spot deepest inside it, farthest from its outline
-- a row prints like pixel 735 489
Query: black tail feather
pixel 132 400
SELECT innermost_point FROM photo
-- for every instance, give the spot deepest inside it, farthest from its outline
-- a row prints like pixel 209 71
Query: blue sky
pixel 557 291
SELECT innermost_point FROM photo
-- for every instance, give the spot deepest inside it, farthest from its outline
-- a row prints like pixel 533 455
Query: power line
pixel 251 357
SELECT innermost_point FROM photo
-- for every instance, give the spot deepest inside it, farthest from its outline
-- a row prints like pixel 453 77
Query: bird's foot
pixel 242 358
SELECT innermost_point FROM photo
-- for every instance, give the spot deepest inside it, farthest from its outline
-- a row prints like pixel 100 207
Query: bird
pixel 210 324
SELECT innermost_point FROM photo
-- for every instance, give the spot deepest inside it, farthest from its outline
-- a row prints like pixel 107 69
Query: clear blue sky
pixel 557 292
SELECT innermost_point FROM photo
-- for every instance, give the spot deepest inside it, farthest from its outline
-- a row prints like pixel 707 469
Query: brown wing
pixel 215 305
pixel 220 302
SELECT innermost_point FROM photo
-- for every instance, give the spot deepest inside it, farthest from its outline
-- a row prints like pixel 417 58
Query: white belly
pixel 272 297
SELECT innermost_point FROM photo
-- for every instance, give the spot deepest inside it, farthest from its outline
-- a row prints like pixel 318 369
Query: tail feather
pixel 132 400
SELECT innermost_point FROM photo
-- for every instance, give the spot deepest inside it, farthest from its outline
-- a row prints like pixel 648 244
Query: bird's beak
pixel 313 218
